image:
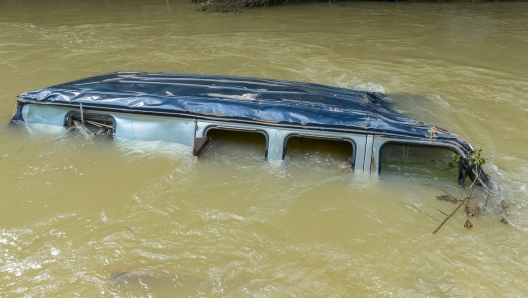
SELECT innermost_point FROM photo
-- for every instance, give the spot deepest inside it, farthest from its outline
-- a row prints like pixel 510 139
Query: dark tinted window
pixel 417 159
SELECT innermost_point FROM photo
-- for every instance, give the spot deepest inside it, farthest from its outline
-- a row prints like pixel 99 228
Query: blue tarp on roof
pixel 264 101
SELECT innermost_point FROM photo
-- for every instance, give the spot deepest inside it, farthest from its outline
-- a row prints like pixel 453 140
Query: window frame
pixel 444 146
pixel 240 129
pixel 70 114
pixel 320 137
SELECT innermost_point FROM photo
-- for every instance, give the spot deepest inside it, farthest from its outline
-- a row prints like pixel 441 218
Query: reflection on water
pixel 91 217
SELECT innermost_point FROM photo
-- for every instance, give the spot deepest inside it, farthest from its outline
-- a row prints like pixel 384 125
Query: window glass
pixel 417 160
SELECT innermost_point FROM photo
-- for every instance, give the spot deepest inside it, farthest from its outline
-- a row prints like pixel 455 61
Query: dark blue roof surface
pixel 265 101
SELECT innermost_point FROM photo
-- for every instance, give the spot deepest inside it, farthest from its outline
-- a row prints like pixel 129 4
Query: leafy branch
pixel 471 166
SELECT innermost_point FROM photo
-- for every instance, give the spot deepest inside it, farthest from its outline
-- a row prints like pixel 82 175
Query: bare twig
pixel 441 212
pixel 450 215
pixel 464 202
pixel 412 206
pixel 487 200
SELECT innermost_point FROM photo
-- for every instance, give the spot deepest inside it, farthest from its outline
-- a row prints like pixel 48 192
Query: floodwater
pixel 122 218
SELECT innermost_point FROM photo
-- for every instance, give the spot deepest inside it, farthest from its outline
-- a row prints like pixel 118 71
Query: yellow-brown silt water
pixel 123 218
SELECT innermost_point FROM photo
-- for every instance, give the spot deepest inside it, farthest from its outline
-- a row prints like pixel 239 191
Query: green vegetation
pixel 471 208
pixel 475 159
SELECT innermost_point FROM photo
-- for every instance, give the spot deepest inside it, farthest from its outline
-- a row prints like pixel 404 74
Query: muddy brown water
pixel 94 217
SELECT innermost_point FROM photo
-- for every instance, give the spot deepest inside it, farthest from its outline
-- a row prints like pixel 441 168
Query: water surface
pixel 91 217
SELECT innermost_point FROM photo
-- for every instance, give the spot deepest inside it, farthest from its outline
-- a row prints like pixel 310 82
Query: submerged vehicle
pixel 186 108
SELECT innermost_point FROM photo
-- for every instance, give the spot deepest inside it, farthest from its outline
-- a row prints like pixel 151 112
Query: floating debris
pixel 468 225
pixel 445 198
pixel 346 165
pixel 470 212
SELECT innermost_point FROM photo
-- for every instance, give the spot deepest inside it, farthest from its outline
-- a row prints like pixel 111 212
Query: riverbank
pixel 239 5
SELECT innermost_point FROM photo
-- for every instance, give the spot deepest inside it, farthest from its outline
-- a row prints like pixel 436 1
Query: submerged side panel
pixel 147 128
pixel 124 125
pixel 164 129
pixel 44 114
pixel 25 112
